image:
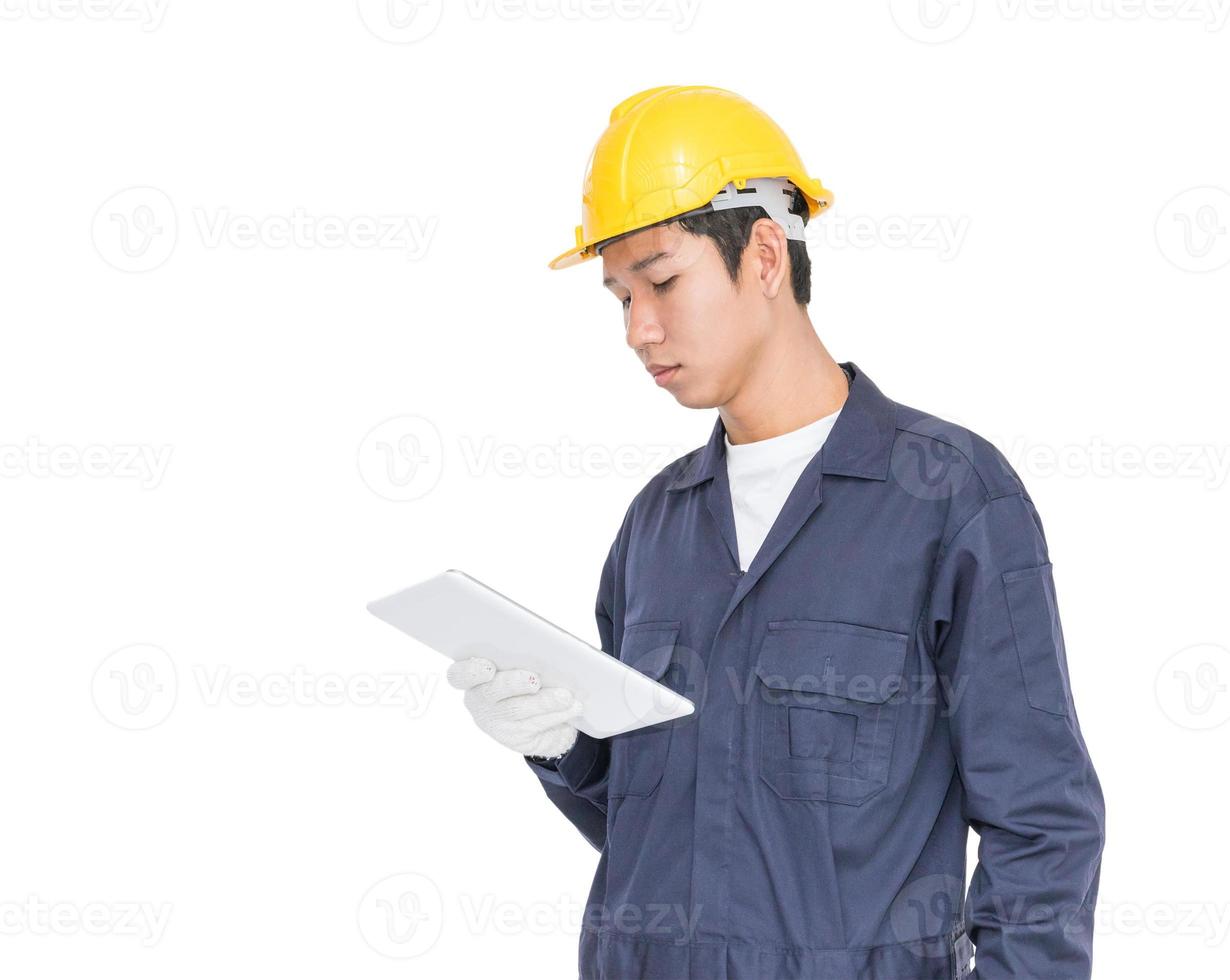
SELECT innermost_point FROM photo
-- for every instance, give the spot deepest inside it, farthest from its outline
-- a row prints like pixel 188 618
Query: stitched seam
pixel 944 442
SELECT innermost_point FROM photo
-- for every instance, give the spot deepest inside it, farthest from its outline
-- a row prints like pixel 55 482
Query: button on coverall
pixel 888 673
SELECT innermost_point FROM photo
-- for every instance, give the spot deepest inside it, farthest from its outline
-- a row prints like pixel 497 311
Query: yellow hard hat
pixel 672 149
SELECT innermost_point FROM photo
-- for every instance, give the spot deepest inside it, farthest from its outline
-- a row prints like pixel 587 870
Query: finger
pixel 511 683
pixel 465 674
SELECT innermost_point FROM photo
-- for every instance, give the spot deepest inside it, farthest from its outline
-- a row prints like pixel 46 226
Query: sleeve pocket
pixel 1039 637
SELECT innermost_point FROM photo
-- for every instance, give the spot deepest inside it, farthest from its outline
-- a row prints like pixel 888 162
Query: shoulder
pixel 959 469
pixel 941 440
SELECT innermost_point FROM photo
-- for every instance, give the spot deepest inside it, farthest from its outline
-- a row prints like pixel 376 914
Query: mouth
pixel 662 376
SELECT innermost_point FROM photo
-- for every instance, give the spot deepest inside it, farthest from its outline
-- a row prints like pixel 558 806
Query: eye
pixel 665 285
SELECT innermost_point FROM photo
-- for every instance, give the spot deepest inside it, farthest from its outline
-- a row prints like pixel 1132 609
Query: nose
pixel 642 323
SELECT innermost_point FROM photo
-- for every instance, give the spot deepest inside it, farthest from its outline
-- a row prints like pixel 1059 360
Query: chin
pixel 694 399
pixel 701 392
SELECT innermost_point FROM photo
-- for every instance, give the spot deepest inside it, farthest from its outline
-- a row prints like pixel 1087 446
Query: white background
pixel 1029 238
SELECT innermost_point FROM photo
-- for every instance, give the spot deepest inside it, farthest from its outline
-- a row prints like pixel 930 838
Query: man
pixel 857 596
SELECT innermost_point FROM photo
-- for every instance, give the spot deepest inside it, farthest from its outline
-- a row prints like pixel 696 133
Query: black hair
pixel 731 230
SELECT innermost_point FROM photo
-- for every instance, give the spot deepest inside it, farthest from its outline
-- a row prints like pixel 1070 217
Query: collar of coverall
pixel 859 445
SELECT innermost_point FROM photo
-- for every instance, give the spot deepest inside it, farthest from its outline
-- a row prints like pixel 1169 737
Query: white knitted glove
pixel 513 708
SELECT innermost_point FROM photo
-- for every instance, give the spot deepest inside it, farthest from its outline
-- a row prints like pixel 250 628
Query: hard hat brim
pixel 819 199
pixel 574 256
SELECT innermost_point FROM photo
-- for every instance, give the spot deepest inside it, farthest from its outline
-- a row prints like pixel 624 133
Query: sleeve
pixel 576 782
pixel 1029 787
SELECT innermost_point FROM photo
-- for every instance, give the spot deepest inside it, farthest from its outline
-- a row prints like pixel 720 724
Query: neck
pixel 792 381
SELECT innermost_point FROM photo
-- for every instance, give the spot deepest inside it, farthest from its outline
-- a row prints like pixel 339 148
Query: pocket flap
pixel 847 661
pixel 649 647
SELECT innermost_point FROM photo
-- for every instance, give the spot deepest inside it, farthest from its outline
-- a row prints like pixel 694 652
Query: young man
pixel 857 596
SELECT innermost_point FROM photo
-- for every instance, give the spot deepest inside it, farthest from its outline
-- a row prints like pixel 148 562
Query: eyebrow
pixel 641 264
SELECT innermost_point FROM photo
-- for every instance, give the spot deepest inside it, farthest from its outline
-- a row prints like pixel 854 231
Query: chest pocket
pixel 638 758
pixel 827 697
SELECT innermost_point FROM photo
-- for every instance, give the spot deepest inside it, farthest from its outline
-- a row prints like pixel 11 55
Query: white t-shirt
pixel 763 473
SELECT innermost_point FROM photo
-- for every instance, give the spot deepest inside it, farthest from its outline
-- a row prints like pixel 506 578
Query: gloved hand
pixel 513 708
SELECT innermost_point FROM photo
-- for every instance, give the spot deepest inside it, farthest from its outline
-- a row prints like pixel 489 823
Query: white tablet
pixel 461 617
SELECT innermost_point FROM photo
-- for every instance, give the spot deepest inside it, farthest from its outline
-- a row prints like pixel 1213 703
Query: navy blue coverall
pixel 888 673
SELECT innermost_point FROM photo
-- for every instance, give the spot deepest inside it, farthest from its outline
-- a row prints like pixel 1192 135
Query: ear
pixel 770 257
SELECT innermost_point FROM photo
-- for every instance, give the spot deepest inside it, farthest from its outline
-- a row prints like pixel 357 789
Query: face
pixel 680 310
